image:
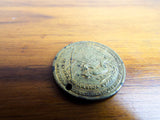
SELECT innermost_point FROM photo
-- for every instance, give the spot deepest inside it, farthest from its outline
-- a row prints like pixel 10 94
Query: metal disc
pixel 89 70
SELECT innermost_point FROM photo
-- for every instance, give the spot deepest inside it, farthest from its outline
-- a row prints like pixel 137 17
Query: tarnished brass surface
pixel 89 70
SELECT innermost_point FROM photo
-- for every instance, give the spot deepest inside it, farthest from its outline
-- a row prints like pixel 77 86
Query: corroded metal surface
pixel 89 70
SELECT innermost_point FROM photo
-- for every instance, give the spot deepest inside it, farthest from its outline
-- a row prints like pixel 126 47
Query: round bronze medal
pixel 89 70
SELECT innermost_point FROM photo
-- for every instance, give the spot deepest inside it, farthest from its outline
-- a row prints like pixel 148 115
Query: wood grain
pixel 31 34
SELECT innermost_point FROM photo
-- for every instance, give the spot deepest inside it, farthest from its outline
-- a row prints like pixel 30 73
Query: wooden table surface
pixel 33 31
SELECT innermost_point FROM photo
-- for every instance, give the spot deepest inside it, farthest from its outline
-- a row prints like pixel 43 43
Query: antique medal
pixel 89 70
